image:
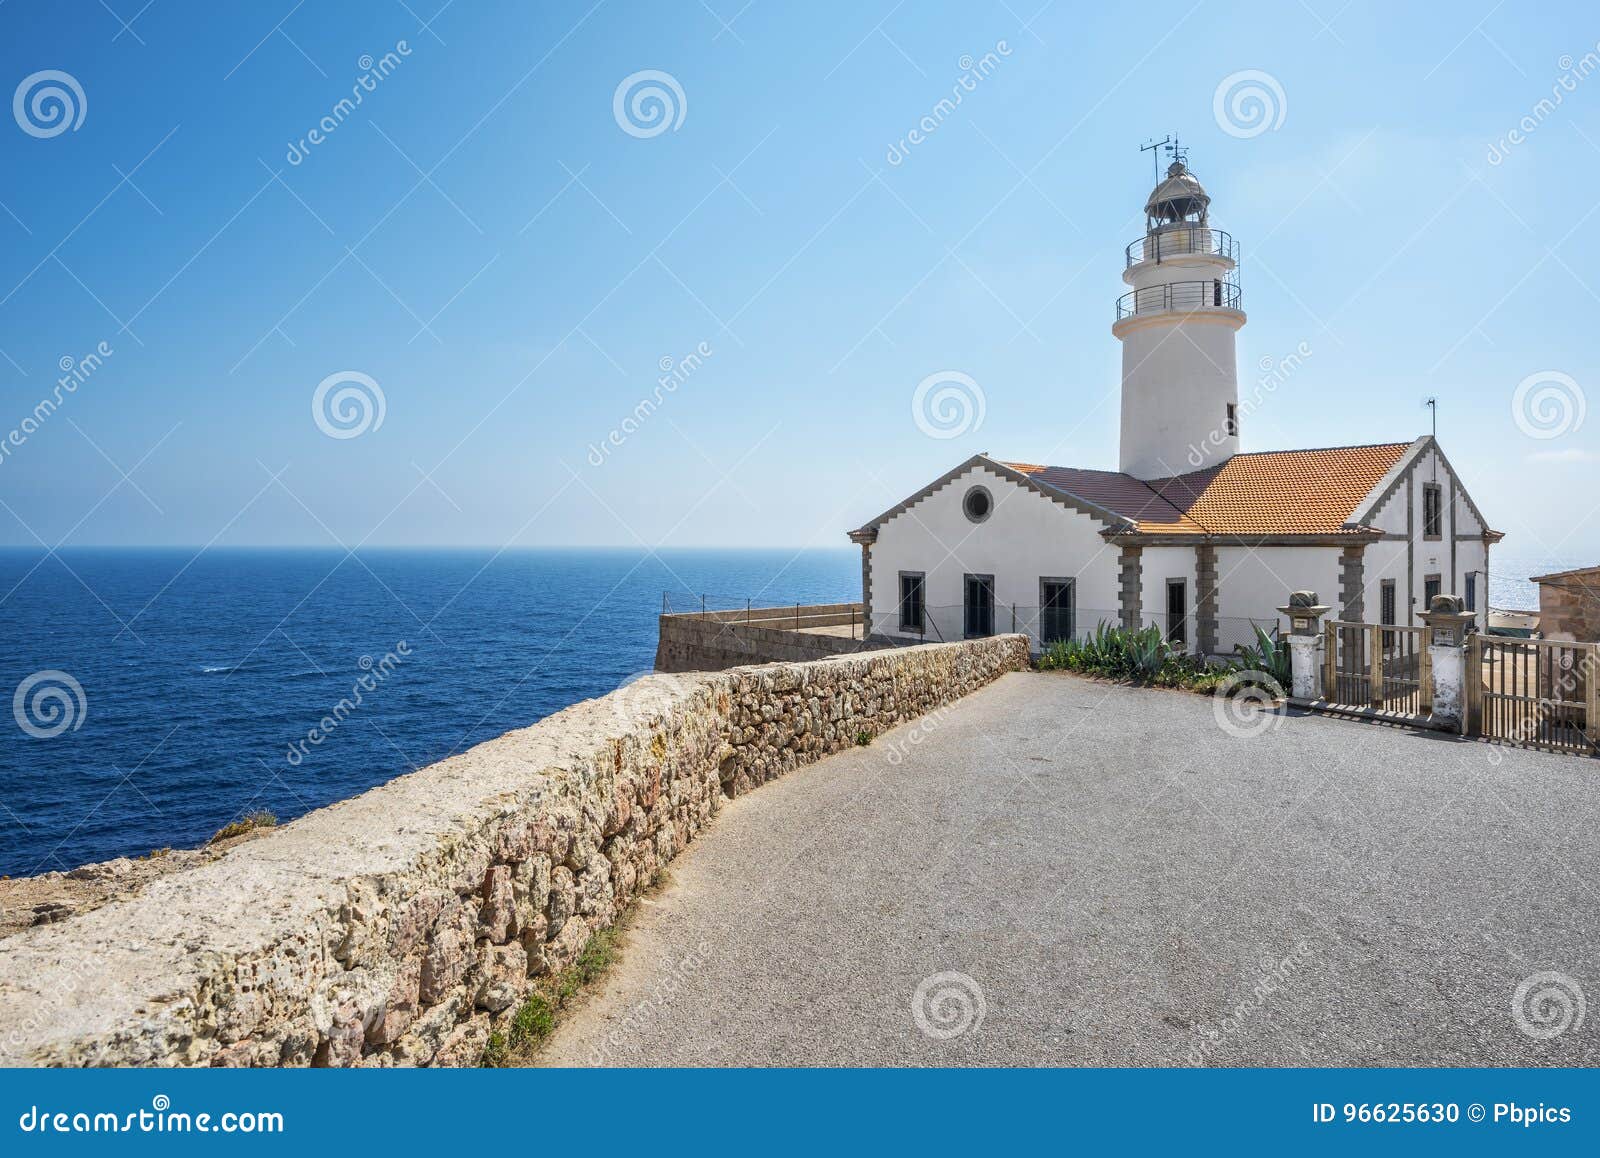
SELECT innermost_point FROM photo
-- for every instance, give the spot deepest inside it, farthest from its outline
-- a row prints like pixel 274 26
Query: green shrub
pixel 534 1022
pixel 1141 655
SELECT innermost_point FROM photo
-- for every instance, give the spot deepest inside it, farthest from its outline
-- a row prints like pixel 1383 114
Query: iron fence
pixel 1180 295
pixel 1181 241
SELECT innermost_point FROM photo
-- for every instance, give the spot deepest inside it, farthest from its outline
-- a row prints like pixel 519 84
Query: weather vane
pixel 1169 143
pixel 1432 403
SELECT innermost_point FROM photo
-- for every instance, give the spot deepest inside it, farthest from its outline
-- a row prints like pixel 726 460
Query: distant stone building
pixel 1569 605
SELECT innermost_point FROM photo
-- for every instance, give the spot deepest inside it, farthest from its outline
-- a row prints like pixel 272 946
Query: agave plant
pixel 1269 654
pixel 1145 653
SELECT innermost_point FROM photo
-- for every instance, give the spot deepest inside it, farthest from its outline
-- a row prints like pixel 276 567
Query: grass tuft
pixel 541 1011
pixel 255 820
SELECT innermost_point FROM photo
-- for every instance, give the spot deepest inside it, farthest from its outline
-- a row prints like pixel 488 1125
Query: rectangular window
pixel 1431 585
pixel 1233 421
pixel 1386 610
pixel 1055 610
pixel 1177 615
pixel 1472 591
pixel 978 606
pixel 913 602
pixel 1432 511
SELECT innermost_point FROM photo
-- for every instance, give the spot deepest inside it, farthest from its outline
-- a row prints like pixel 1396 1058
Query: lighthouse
pixel 1180 381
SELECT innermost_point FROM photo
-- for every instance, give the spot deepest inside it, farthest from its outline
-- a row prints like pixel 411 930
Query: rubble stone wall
pixel 687 643
pixel 400 927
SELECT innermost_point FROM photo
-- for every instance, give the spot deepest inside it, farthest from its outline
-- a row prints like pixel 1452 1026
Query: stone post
pixel 1305 635
pixel 1131 584
pixel 1352 582
pixel 1447 651
pixel 1205 607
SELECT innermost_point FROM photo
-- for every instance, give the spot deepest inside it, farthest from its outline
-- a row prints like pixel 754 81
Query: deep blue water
pixel 199 673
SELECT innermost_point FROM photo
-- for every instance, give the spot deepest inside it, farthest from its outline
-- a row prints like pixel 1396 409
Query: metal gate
pixel 1537 692
pixel 1377 669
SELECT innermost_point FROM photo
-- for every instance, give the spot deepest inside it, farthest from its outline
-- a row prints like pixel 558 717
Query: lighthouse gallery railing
pixel 1179 295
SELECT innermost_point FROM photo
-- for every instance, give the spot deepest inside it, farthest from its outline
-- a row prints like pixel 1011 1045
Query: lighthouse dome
pixel 1179 197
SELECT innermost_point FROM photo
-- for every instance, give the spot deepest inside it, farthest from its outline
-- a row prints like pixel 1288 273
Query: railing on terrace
pixel 1179 296
pixel 1181 241
pixel 836 618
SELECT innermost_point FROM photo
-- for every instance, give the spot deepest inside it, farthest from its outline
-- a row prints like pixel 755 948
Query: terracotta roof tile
pixel 1279 492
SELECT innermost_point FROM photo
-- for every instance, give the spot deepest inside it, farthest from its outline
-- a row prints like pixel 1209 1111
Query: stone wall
pixel 1569 605
pixel 400 927
pixel 720 640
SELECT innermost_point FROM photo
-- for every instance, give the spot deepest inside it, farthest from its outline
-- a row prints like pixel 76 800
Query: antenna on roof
pixel 1432 403
pixel 1154 147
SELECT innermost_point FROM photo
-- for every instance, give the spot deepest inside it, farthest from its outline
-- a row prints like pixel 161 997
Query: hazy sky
pixel 484 239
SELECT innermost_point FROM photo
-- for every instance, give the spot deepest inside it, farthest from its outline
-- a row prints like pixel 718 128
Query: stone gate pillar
pixel 1447 654
pixel 1305 636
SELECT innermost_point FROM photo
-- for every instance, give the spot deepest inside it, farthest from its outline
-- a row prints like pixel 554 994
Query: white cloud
pixel 1570 454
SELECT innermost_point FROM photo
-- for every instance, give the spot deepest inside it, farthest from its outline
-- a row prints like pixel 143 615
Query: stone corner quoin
pixel 401 926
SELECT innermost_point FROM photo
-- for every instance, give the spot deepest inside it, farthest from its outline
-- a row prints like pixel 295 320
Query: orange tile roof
pixel 1279 492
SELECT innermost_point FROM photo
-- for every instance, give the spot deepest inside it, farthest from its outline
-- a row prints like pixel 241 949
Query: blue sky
pixel 483 240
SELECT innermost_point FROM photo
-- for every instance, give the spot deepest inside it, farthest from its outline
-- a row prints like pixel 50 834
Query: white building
pixel 1191 533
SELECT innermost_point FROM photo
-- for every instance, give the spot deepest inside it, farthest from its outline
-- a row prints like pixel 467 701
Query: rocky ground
pixel 55 896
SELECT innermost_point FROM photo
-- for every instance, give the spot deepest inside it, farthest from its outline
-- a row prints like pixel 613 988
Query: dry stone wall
pixel 719 641
pixel 400 927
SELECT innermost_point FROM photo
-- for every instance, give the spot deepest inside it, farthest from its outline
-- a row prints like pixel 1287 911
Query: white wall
pixel 1025 537
pixel 1461 531
pixel 1178 377
pixel 1161 564
pixel 1253 582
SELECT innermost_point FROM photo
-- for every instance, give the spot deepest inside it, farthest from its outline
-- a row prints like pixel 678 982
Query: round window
pixel 977 504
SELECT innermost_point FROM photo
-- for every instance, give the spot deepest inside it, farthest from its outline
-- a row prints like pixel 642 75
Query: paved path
pixel 1125 883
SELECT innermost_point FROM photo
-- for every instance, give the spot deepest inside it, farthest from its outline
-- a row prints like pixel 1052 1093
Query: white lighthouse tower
pixel 1180 382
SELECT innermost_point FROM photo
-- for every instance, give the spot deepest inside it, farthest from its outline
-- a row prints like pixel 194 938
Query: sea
pixel 160 694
